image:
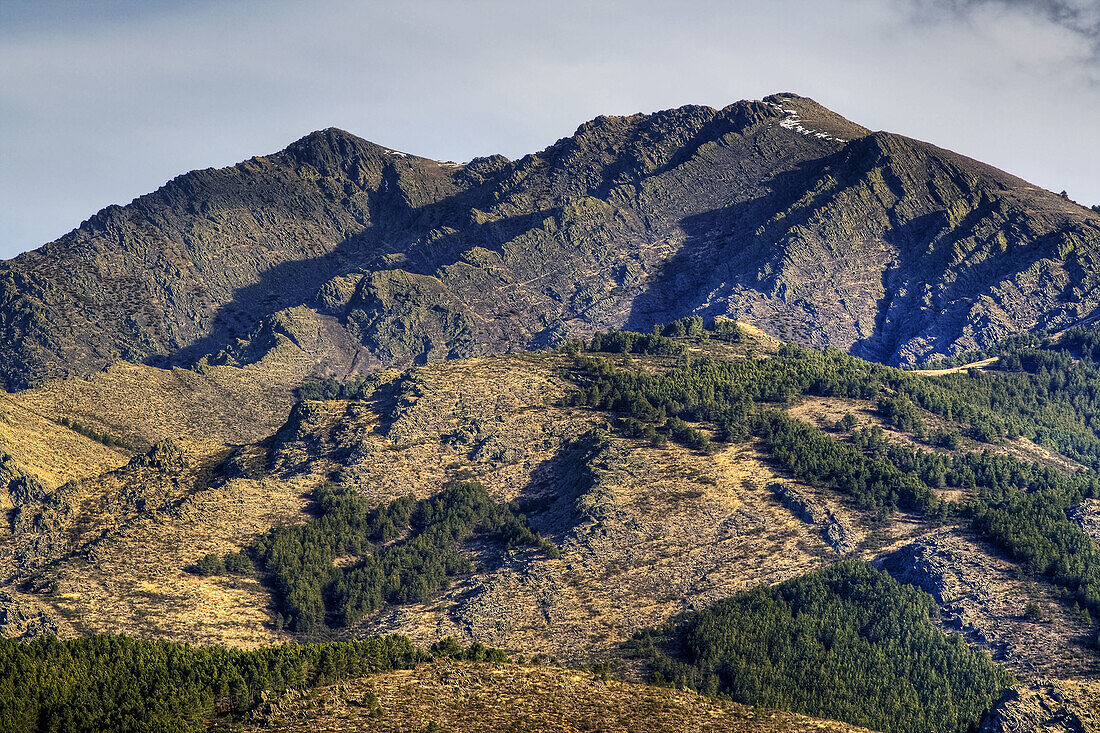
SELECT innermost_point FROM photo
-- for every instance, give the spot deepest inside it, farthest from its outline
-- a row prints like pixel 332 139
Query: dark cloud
pixel 1079 16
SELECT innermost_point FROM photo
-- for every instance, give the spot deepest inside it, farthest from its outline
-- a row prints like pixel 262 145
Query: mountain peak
pixel 805 116
pixel 332 148
pixel 633 220
pixel 329 136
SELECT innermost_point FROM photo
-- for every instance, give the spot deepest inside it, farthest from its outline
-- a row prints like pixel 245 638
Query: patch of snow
pixel 792 121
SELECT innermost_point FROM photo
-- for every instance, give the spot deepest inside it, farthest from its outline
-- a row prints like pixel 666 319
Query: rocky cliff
pixel 776 212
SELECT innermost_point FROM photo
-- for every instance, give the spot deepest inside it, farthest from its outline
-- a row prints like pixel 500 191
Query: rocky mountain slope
pixel 166 415
pixel 777 212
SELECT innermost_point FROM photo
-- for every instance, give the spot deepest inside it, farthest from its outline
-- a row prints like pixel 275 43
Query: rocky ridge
pixel 777 212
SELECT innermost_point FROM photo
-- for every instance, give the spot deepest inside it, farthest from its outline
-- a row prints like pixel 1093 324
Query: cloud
pixel 1082 16
pixel 100 102
pixel 1023 23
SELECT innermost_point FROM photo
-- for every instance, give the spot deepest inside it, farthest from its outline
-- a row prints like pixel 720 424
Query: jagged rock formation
pixel 23 619
pixel 1087 514
pixel 777 212
pixel 836 532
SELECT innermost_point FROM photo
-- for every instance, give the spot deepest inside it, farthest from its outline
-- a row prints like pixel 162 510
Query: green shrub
pixel 211 564
pixel 238 564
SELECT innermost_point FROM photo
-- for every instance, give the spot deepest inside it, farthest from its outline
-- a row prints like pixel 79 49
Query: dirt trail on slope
pixel 983 364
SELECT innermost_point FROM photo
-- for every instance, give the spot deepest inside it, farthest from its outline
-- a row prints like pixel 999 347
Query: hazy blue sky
pixel 103 101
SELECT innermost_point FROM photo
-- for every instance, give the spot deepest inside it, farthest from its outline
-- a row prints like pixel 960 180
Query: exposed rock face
pixel 984 597
pixel 836 532
pixel 779 213
pixel 1087 514
pixel 1052 706
pixel 78 513
pixel 20 618
pixel 18 486
pixel 206 256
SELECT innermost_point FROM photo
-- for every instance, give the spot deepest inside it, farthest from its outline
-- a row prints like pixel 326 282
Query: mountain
pixel 313 442
pixel 778 213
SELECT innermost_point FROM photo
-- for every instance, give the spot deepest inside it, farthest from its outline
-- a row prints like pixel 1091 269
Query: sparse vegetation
pixel 108 440
pixel 1034 612
pixel 467 697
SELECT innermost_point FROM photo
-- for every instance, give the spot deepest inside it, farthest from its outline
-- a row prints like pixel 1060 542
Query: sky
pixel 102 101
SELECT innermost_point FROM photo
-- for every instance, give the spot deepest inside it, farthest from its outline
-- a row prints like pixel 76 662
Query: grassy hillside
pixel 665 473
pixel 464 697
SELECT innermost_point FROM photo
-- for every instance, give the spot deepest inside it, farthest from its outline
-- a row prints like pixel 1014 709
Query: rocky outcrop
pixel 1051 706
pixel 779 213
pixel 21 618
pixel 74 516
pixel 1087 514
pixel 18 486
pixel 836 532
pixel 984 597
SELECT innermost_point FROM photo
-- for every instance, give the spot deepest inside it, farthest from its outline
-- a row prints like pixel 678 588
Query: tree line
pixel 127 685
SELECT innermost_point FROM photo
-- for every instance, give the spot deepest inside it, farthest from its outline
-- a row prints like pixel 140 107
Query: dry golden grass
pixel 143 405
pixel 225 404
pixel 44 448
pixel 981 364
pixel 466 697
pixel 138 578
pixel 662 531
